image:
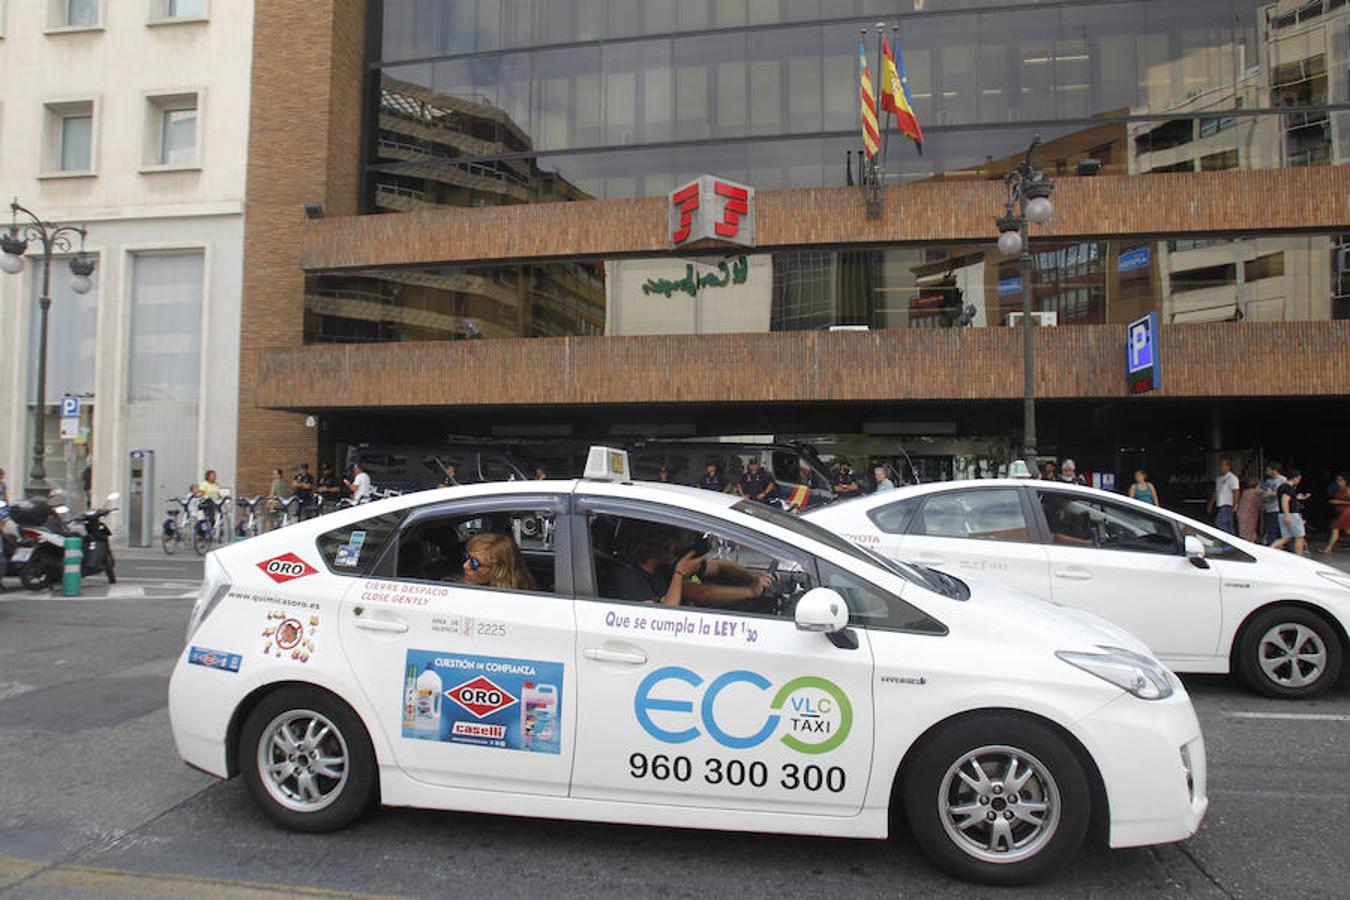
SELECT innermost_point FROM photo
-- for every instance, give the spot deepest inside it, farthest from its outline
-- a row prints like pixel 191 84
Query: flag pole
pixel 881 74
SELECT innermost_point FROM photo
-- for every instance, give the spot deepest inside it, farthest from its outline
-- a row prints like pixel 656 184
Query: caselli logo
pixel 481 696
pixel 813 713
pixel 286 567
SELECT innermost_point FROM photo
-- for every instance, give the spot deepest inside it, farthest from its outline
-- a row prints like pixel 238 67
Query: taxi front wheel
pixel 307 760
pixel 997 798
pixel 1289 652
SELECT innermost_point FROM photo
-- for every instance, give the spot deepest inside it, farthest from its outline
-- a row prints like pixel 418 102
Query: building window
pixel 1217 162
pixel 1269 266
pixel 166 325
pixel 1212 125
pixel 68 144
pixel 1207 277
pixel 162 10
pixel 1186 165
pixel 171 131
pixel 74 14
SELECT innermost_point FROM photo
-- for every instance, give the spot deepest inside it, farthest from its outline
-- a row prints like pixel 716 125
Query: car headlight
pixel 1340 579
pixel 1146 678
pixel 215 585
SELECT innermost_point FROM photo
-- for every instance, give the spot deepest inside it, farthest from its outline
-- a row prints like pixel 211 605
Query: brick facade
pixel 304 145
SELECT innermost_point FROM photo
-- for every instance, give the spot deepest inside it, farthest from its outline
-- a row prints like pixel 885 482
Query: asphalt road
pixel 94 802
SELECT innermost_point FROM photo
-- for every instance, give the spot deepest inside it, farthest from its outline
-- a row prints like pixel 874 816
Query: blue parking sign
pixel 70 407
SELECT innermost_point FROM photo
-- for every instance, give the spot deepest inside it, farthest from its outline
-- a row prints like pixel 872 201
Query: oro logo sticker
pixel 481 696
pixel 286 567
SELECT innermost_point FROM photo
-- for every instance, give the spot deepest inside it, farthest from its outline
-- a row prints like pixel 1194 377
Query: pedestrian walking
pixel 1142 489
pixel 1270 501
pixel 1249 511
pixel 1291 514
pixel 1340 510
pixel 1227 490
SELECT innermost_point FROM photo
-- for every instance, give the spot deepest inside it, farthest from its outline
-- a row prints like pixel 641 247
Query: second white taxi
pixel 1201 599
pixel 777 678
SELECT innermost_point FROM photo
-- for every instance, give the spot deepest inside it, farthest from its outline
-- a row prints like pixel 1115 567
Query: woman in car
pixel 494 560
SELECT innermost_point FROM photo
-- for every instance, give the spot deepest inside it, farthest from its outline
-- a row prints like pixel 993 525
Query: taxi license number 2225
pixel 736 772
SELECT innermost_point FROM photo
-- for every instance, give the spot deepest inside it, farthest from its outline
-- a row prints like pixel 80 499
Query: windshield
pixel 924 577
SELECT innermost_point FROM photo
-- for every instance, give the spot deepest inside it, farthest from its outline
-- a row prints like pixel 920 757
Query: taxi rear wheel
pixel 997 798
pixel 307 760
pixel 1289 652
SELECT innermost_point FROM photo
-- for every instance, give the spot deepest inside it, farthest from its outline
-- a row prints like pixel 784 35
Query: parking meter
pixel 141 498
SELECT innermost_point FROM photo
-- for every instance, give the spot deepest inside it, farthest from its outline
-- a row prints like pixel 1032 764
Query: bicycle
pixel 175 530
pixel 251 523
pixel 211 525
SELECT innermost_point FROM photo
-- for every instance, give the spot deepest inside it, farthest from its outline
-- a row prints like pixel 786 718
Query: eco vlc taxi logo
pixel 809 714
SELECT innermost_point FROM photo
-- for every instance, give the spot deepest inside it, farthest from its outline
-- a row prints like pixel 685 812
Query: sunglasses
pixel 474 565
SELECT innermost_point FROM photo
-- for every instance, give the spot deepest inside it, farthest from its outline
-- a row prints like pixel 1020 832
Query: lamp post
pixel 54 238
pixel 1029 190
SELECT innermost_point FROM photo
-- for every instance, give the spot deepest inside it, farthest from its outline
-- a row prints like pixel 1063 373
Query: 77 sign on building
pixel 711 208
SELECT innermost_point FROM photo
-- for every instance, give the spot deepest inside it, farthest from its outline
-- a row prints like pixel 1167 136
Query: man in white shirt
pixel 360 485
pixel 1227 489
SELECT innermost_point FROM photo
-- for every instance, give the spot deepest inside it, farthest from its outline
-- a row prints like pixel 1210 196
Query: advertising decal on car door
pixel 511 704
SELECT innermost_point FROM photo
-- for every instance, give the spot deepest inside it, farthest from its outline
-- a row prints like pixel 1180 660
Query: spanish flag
pixel 871 133
pixel 895 96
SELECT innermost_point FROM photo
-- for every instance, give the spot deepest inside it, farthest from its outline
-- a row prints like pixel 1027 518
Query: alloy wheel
pixel 303 760
pixel 999 804
pixel 1292 655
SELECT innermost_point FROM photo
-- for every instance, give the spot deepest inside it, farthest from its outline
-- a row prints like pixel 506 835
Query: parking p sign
pixel 1142 372
pixel 70 418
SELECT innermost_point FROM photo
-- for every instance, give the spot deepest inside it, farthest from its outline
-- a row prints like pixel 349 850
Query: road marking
pixel 1291 717
pixel 119 882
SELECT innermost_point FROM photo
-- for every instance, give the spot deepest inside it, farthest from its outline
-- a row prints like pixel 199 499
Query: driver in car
pixel 653 569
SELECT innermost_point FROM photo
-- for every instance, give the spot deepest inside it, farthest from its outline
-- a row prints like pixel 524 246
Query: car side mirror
pixel 1195 551
pixel 821 609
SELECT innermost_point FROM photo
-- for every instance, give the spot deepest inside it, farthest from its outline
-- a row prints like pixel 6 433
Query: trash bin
pixel 70 576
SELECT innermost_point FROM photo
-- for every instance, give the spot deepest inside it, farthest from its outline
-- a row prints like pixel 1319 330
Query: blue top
pixel 1144 494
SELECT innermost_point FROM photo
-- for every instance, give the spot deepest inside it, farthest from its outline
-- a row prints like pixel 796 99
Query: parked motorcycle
pixel 15 546
pixel 46 563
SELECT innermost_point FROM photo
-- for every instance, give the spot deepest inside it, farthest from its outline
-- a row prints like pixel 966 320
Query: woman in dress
pixel 1340 507
pixel 1143 490
pixel 1249 510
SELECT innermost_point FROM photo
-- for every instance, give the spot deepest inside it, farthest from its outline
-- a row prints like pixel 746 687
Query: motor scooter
pixel 15 548
pixel 46 563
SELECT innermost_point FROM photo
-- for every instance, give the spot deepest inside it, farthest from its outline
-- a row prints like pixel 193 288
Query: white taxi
pixel 802 685
pixel 1201 599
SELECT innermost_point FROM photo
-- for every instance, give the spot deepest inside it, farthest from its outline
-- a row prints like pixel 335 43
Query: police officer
pixel 329 490
pixel 712 479
pixel 756 483
pixel 845 482
pixel 302 488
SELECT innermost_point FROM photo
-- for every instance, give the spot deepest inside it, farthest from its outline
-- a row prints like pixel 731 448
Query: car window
pixel 786 467
pixel 634 560
pixel 496 467
pixel 928 579
pixel 354 549
pixel 893 518
pixel 1082 521
pixel 434 548
pixel 987 514
pixel 871 606
pixel 1215 546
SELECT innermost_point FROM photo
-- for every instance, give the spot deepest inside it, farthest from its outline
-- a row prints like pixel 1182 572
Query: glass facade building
pixel 499 102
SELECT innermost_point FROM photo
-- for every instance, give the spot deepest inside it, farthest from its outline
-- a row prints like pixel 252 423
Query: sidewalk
pixel 96 587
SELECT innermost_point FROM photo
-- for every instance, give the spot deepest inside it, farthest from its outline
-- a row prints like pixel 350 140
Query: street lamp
pixel 54 239
pixel 1029 190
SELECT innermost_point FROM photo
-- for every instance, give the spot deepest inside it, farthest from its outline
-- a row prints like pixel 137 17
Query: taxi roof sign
pixel 607 464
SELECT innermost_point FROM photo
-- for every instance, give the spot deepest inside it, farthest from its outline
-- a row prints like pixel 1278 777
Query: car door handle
pixel 382 625
pixel 1074 574
pixel 615 656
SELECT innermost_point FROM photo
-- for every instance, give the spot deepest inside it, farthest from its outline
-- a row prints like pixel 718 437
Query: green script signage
pixel 735 273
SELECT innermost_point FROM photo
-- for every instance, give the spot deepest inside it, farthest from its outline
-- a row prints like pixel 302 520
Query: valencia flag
pixel 895 96
pixel 871 132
